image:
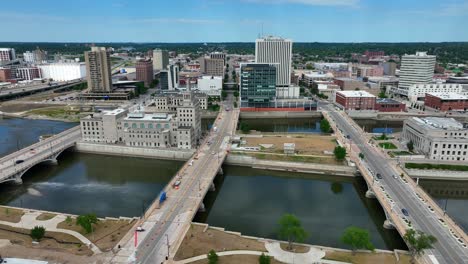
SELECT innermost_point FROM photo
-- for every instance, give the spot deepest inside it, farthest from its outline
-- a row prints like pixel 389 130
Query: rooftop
pixel 439 123
pixel 149 117
pixel 387 101
pixel 450 96
pixel 113 112
pixel 356 94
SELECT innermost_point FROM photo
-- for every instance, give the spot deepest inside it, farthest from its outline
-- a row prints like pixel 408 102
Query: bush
pixel 37 233
pixel 325 126
pixel 340 153
pixel 212 257
pixel 264 259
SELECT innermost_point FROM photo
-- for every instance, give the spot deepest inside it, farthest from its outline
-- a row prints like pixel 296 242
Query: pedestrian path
pixel 29 221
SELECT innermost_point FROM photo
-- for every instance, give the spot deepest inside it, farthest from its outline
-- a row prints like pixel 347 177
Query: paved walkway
pixel 274 250
pixel 28 221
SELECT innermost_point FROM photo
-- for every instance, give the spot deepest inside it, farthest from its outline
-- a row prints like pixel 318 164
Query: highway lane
pixel 177 215
pixel 447 249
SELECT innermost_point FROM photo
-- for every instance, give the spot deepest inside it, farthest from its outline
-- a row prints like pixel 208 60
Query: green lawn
pixel 399 153
pixel 387 145
pixel 428 166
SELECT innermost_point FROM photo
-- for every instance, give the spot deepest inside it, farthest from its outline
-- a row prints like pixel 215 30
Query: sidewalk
pixel 28 221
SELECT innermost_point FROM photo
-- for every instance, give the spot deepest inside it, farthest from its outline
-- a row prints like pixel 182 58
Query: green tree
pixel 244 127
pixel 325 126
pixel 309 67
pixel 235 104
pixel 223 94
pixel 236 94
pixel 264 259
pixel 382 95
pixel 86 222
pixel 37 233
pixel 340 152
pixel 291 229
pixel 410 146
pixel 417 242
pixel 361 155
pixel 212 257
pixel 357 238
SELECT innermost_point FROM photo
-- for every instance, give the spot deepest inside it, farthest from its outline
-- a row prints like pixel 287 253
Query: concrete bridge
pixel 167 223
pixel 14 165
pixel 396 191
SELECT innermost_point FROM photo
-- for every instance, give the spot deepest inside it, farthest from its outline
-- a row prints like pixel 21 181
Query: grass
pixel 387 145
pixel 399 153
pixel 366 258
pixel 57 113
pixel 428 166
pixel 45 216
pixel 106 233
pixel 10 214
pixel 52 240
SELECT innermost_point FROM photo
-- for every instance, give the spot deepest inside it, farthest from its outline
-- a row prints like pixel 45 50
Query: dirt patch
pixel 308 145
pixel 295 248
pixel 106 233
pixel 367 258
pixel 197 242
pixel 53 241
pixel 45 216
pixel 236 259
pixel 11 214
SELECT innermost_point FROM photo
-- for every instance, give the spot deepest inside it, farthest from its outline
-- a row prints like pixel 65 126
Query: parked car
pixel 379 176
pixel 405 212
pixel 177 184
pixel 19 161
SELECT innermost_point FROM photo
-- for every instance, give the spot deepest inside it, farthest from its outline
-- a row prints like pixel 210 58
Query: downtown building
pixel 7 54
pixel 169 78
pixel 28 73
pixel 144 72
pixel 98 70
pixel 415 69
pixel 37 56
pixel 257 85
pixel 61 72
pixel 160 59
pixel 437 138
pixel 278 51
pixel 212 66
pixel 446 101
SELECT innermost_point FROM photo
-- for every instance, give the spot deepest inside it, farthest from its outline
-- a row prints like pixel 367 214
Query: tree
pixel 340 152
pixel 410 146
pixel 264 259
pixel 244 127
pixel 361 155
pixel 37 233
pixel 357 238
pixel 86 222
pixel 382 95
pixel 223 94
pixel 325 125
pixel 291 229
pixel 417 242
pixel 212 257
pixel 235 104
pixel 236 94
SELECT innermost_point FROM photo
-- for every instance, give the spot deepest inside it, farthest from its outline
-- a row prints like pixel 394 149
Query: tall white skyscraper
pixel 276 50
pixel 160 59
pixel 416 69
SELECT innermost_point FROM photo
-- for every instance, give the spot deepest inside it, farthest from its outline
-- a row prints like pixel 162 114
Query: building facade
pixel 7 54
pixel 213 67
pixel 160 59
pixel 28 73
pixel 5 74
pixel 210 85
pixel 418 91
pixel 355 100
pixel 63 71
pixel 437 138
pixel 218 55
pixel 37 56
pixel 144 72
pixel 446 101
pixel 173 77
pixel 416 69
pixel 98 69
pixel 389 105
pixel 277 51
pixel 257 84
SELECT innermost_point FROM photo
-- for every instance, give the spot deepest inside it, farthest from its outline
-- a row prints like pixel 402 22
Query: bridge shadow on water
pixel 210 199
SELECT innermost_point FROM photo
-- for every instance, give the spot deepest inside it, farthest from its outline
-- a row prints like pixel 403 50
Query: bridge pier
pixel 18 180
pixel 388 224
pixel 212 187
pixel 370 194
pixel 202 208
pixel 220 171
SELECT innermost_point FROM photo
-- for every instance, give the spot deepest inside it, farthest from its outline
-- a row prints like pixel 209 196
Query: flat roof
pixel 387 101
pixel 449 96
pixel 356 94
pixel 113 112
pixel 149 117
pixel 439 123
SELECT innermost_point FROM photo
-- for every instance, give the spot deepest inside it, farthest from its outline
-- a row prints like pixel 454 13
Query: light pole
pixel 445 207
pixel 167 242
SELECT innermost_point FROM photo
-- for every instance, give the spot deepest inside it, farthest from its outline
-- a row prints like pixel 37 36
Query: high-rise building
pixel 37 56
pixel 7 54
pixel 416 69
pixel 144 71
pixel 28 73
pixel 212 67
pixel 160 59
pixel 173 77
pixel 164 79
pixel 218 55
pixel 276 50
pixel 389 68
pixel 98 69
pixel 257 84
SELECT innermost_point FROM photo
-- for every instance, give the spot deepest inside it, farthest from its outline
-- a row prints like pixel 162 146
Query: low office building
pixel 355 100
pixel 348 84
pixel 210 85
pixel 417 92
pixel 28 73
pixel 437 138
pixel 63 71
pixel 446 101
pixel 389 105
pixel 168 102
pixel 103 127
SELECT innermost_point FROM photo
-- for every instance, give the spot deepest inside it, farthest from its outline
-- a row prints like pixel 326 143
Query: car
pixel 442 222
pixel 379 176
pixel 176 184
pixel 140 229
pixel 431 209
pixel 394 176
pixel 19 161
pixel 405 212
pixel 213 153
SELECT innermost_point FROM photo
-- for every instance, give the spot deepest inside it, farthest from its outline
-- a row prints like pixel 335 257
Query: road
pixel 37 152
pixel 167 225
pixel 34 88
pixel 446 249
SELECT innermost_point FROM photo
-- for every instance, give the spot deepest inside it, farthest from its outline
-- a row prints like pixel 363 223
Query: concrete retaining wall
pixel 438 174
pixel 119 150
pixel 279 114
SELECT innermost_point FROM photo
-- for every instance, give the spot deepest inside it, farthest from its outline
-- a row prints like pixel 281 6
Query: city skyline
pixel 236 21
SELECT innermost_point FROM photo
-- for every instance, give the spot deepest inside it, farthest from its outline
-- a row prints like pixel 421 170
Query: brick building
pixel 349 83
pixel 355 100
pixel 389 105
pixel 5 74
pixel 446 101
pixel 144 71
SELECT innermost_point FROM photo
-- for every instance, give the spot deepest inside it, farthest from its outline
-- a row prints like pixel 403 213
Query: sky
pixel 234 20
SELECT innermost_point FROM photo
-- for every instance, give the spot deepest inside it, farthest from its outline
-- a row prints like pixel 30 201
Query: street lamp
pixel 167 242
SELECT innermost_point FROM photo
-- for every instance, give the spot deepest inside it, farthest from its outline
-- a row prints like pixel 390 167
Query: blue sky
pixel 234 20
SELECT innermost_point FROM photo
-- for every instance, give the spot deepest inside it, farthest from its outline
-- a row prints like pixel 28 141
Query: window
pixel 134 125
pixel 142 125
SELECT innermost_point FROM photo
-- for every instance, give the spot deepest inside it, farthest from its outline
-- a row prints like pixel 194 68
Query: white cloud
pixel 310 2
